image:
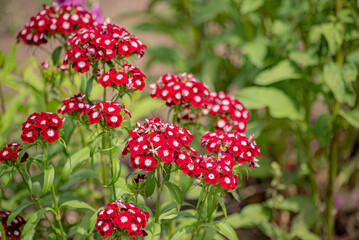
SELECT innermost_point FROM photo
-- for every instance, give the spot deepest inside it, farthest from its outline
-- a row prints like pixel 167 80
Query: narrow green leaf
pixel 18 210
pixel 223 206
pixel 176 193
pixel 76 159
pixel 156 231
pixel 116 169
pixel 352 117
pixel 77 205
pixel 49 175
pixel 56 55
pixel 10 63
pixel 226 230
pixel 89 85
pixel 182 234
pixel 30 226
pixel 23 151
pixel 150 184
pixel 82 229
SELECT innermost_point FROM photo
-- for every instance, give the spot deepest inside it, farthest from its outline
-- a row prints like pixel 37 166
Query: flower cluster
pixel 239 147
pixel 11 152
pixel 128 75
pixel 157 140
pixel 111 113
pixel 182 89
pixel 121 217
pixel 231 111
pixel 75 103
pixel 45 124
pixel 13 229
pixel 101 42
pixel 54 20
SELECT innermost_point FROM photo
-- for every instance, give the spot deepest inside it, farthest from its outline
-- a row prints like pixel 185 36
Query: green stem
pixel 111 161
pixel 38 203
pixel 159 189
pixel 196 229
pixel 103 158
pixel 57 210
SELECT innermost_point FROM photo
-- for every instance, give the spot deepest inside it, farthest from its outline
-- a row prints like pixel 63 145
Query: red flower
pixel 47 124
pixel 11 152
pixel 182 89
pixel 101 42
pixel 12 230
pixel 53 20
pixel 119 215
pixel 110 113
pixel 211 177
pixel 75 103
pixel 156 141
pixel 233 115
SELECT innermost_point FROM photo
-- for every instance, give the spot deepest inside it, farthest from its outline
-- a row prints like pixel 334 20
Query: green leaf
pixel 211 9
pixel 77 205
pixel 25 148
pixel 49 174
pixel 248 6
pixel 56 55
pixel 280 72
pixel 10 63
pixel 30 226
pixel 256 50
pixel 212 204
pixel 304 59
pixel 150 184
pixel 321 127
pixel 339 81
pixel 226 230
pixel 156 231
pixel 223 206
pixel 172 213
pixel 334 34
pixel 89 85
pixel 82 229
pixel 278 103
pixel 176 193
pixel 116 169
pixel 182 234
pixel 352 117
pixel 76 159
pixel 18 210
pixel 251 215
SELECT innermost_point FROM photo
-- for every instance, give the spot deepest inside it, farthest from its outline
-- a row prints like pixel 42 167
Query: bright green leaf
pixel 278 103
pixel 77 205
pixel 352 117
pixel 76 159
pixel 282 71
pixel 18 210
pixel 49 174
pixel 248 6
pixel 176 193
pixel 30 226
pixel 226 230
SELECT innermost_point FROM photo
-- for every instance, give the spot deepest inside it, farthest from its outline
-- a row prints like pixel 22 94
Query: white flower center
pixel 51 133
pixel 114 119
pixel 124 219
pixel 148 162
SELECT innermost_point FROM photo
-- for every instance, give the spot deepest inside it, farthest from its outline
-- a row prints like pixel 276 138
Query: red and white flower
pixel 121 218
pixel 44 124
pixel 12 230
pixel 11 152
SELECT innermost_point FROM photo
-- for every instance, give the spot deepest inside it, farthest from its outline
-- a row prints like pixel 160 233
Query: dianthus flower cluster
pixel 110 114
pixel 76 103
pixel 11 152
pixel 45 124
pixel 180 89
pixel 52 20
pixel 101 42
pixel 157 140
pixel 13 229
pixel 239 147
pixel 121 217
pixel 231 111
pixel 128 76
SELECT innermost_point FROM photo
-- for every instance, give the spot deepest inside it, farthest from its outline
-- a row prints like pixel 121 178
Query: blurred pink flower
pixel 70 2
pixel 339 201
pixel 96 10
